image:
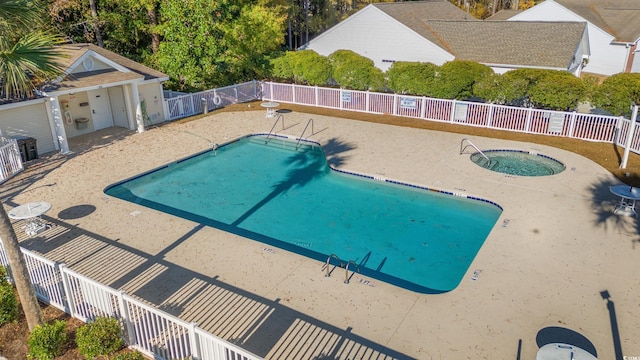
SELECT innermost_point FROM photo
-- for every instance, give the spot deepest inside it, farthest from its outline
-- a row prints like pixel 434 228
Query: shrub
pixel 134 355
pixel 100 337
pixel 353 71
pixel 557 90
pixel 412 77
pixel 311 68
pixel 617 93
pixel 455 79
pixel 46 341
pixel 8 300
pixel 497 89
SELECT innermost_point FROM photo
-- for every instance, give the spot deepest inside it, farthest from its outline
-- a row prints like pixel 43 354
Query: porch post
pixel 136 103
pixel 58 125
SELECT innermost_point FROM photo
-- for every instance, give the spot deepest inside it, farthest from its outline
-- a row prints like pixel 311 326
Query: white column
pixel 136 103
pixel 58 125
pixel 131 110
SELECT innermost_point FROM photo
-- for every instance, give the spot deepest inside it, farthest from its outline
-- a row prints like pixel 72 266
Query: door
pixel 118 107
pixel 100 109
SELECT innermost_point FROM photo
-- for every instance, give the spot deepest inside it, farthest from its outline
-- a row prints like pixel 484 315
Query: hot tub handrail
pixel 280 116
pixel 469 143
pixel 303 131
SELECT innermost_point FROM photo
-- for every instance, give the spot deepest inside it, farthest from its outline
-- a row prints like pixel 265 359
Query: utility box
pixel 28 148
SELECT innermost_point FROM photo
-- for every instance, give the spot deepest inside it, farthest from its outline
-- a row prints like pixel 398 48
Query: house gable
pixel 374 33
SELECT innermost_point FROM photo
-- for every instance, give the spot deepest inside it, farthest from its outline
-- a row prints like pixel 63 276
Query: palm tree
pixel 27 60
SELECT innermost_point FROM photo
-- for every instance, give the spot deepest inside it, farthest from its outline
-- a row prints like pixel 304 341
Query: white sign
pixel 556 123
pixel 460 113
pixel 408 103
pixel 346 96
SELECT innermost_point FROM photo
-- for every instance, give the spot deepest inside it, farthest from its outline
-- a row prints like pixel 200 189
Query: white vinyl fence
pixel 575 125
pixel 184 105
pixel 149 330
pixel 10 160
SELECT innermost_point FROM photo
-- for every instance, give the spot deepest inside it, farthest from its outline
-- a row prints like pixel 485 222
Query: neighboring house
pixel 99 89
pixel 613 26
pixel 437 32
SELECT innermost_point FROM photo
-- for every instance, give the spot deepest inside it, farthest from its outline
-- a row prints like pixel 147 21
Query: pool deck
pixel 555 250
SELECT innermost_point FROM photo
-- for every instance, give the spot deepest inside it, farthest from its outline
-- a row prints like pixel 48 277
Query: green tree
pixel 28 58
pixel 209 44
pixel 558 90
pixel 618 93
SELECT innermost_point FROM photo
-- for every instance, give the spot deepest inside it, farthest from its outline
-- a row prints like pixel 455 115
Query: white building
pixel 613 27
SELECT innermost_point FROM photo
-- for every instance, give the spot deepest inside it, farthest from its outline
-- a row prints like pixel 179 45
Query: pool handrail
pixel 462 149
pixel 280 116
pixel 303 131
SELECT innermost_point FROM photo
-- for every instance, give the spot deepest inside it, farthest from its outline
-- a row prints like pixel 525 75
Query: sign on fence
pixel 556 123
pixel 346 96
pixel 460 113
pixel 408 103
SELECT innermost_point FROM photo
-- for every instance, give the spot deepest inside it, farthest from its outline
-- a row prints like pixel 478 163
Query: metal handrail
pixel 326 265
pixel 346 270
pixel 280 116
pixel 303 131
pixel 476 148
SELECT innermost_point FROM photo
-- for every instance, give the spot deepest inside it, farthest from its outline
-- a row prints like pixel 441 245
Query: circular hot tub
pixel 517 162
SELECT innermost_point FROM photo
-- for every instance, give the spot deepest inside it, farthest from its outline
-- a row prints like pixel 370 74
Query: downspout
pixel 630 57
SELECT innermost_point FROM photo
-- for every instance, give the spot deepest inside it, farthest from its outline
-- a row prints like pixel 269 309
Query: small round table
pixel 31 212
pixel 628 196
pixel 557 351
pixel 271 108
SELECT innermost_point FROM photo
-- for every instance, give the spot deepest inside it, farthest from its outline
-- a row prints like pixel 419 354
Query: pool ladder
pixel 278 118
pixel 469 143
pixel 327 265
pixel 303 131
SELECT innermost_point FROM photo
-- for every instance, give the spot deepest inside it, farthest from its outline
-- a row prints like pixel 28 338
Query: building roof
pixel 504 14
pixel 413 13
pixel 548 44
pixel 619 18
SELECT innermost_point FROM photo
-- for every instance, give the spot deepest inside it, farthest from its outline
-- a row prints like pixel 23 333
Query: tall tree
pixel 27 59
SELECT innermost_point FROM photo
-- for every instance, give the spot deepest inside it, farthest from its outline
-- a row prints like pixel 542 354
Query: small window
pixel 88 64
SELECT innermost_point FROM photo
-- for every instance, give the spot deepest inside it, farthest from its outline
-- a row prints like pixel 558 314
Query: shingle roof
pixel 526 43
pixel 413 13
pixel 504 14
pixel 620 18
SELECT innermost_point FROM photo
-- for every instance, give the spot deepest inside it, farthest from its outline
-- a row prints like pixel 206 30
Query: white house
pixel 613 26
pixel 436 31
pixel 99 89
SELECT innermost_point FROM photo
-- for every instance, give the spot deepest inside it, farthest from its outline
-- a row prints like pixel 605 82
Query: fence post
pixel 68 293
pixel 423 108
pixel 366 101
pixel 235 90
pixel 527 126
pixel 270 91
pixel 293 93
pixel 490 116
pixel 629 139
pixel 126 318
pixel 453 112
pixel 316 93
pixel 395 104
pixel 193 340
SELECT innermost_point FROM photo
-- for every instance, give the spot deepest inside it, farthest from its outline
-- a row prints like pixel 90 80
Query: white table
pixel 557 351
pixel 31 212
pixel 271 108
pixel 628 196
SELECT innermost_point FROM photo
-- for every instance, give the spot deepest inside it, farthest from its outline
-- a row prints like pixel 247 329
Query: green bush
pixel 134 355
pixel 497 89
pixel 100 337
pixel 353 71
pixel 412 77
pixel 311 68
pixel 8 300
pixel 617 93
pixel 46 341
pixel 455 79
pixel 557 90
pixel 282 66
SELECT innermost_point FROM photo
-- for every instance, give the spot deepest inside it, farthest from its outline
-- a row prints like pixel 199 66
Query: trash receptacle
pixel 28 148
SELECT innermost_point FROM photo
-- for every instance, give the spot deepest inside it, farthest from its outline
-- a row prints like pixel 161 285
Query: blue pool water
pixel 290 198
pixel 517 162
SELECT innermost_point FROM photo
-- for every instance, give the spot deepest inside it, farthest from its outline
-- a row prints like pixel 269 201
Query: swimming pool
pixel 285 194
pixel 518 162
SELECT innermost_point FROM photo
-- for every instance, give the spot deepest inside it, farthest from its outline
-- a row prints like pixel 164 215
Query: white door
pixel 118 107
pixel 100 109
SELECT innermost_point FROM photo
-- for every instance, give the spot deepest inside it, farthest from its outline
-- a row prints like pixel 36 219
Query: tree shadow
pixel 603 205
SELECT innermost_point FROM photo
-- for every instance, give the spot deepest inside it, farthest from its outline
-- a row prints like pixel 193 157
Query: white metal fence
pixel 149 330
pixel 180 106
pixel 590 127
pixel 10 160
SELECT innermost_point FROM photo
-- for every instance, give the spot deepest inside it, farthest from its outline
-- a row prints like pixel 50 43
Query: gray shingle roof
pixel 504 14
pixel 526 43
pixel 620 18
pixel 413 13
